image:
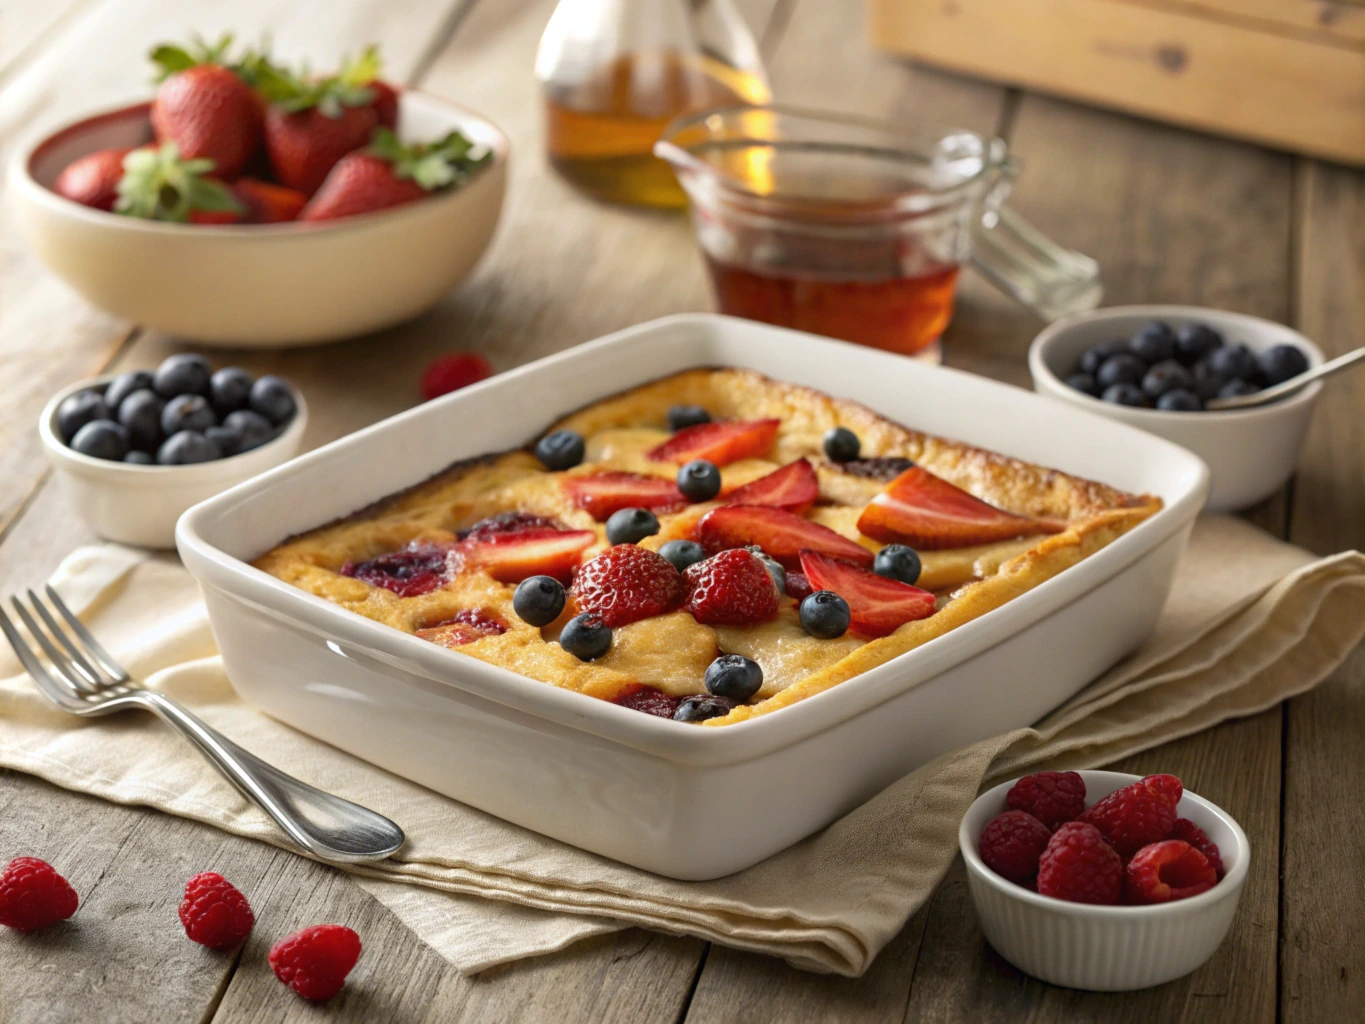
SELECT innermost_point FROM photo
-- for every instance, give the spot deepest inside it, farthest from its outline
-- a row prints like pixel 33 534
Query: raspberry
pixel 411 572
pixel 1132 817
pixel 33 895
pixel 627 583
pixel 798 586
pixel 1189 832
pixel 214 913
pixel 1168 870
pixel 1078 865
pixel 1011 844
pixel 1051 797
pixel 1167 785
pixel 448 373
pixel 314 962
pixel 649 700
pixel 732 588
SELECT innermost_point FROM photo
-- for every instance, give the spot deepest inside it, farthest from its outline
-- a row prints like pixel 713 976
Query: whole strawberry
pixel 1079 866
pixel 314 962
pixel 627 583
pixel 732 588
pixel 33 895
pixel 205 108
pixel 92 180
pixel 159 184
pixel 1134 816
pixel 214 912
pixel 1051 797
pixel 267 203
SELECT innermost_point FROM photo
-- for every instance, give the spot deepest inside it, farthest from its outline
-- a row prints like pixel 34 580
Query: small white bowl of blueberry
pixel 134 450
pixel 1155 367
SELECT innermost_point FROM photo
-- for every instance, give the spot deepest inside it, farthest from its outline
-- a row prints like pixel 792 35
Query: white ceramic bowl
pixel 1105 949
pixel 264 285
pixel 1251 452
pixel 139 505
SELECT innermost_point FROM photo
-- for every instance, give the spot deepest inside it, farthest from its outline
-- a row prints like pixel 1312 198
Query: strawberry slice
pixel 781 534
pixel 926 512
pixel 601 494
pixel 794 487
pixel 512 557
pixel 877 605
pixel 722 442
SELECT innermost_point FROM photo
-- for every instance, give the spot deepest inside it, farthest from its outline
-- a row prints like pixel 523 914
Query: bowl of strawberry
pixel 1101 880
pixel 251 204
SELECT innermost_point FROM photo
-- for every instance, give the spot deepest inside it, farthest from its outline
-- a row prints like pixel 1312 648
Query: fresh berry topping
pixel 505 523
pixel 631 525
pixel 1154 342
pixel 273 398
pixel 415 570
pixel 683 416
pixel 929 513
pixel 1079 866
pixel 699 709
pixel 538 600
pixel 773 566
pixel 1179 400
pixel 187 412
pixel 1084 383
pixel 1126 394
pixel 183 374
pixel 1194 342
pixel 214 913
pixel 841 444
pixel 1187 831
pixel 314 962
pixel 187 447
pixel 1133 816
pixel 1233 362
pixel 453 371
pixel 647 699
pixel 1280 363
pixel 883 468
pixel 798 586
pixel 33 895
pixel 627 583
pixel 102 439
pixel 512 556
pixel 465 627
pixel 603 494
pixel 1094 357
pixel 783 535
pixel 75 411
pixel 898 562
pixel 1124 368
pixel 721 443
pixel 561 450
pixel 682 553
pixel 732 588
pixel 1051 797
pixel 1011 844
pixel 92 180
pixel 877 605
pixel 1166 785
pixel 229 390
pixel 825 615
pixel 734 677
pixel 794 487
pixel 1168 870
pixel 585 637
pixel 699 480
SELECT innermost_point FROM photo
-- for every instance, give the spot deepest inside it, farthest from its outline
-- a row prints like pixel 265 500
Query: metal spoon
pixel 1289 387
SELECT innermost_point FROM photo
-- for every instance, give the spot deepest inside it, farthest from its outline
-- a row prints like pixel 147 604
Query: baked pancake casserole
pixel 708 547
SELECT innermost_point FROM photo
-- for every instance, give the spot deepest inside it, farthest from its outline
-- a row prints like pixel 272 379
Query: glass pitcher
pixel 856 229
pixel 616 72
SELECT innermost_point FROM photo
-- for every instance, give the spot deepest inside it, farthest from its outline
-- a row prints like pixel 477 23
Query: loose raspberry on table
pixel 314 962
pixel 627 583
pixel 732 588
pixel 1189 832
pixel 214 912
pixel 1051 797
pixel 33 895
pixel 451 372
pixel 1132 817
pixel 1011 844
pixel 1169 870
pixel 1079 866
pixel 1167 785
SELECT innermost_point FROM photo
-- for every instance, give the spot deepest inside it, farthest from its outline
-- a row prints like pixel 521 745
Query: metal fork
pixel 87 681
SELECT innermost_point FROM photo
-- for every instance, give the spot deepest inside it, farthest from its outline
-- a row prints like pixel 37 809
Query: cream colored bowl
pixel 263 286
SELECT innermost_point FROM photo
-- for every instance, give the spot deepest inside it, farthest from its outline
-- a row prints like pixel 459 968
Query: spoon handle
pixel 1289 387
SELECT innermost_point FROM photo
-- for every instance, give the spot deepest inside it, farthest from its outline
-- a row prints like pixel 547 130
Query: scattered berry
pixel 773 566
pixel 841 444
pixel 1079 866
pixel 721 443
pixel 626 583
pixel 1168 870
pixel 314 962
pixel 33 895
pixel 682 553
pixel 1134 816
pixel 699 709
pixel 1051 797
pixel 781 534
pixel 877 606
pixel 538 600
pixel 798 587
pixel 453 371
pixel 602 494
pixel 681 416
pixel 793 487
pixel 1187 831
pixel 699 480
pixel 898 562
pixel 732 588
pixel 561 450
pixel 585 637
pixel 1011 844
pixel 214 912
pixel 825 615
pixel 734 677
pixel 415 570
pixel 649 700
pixel 631 525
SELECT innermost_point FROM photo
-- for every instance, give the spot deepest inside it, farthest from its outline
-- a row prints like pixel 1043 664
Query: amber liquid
pixel 600 135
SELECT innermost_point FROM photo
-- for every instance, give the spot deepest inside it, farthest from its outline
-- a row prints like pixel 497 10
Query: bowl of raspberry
pixel 1101 880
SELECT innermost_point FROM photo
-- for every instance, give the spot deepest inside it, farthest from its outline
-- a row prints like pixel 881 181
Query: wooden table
pixel 1172 217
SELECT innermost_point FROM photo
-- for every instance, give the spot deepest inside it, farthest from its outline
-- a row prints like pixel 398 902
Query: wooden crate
pixel 1286 73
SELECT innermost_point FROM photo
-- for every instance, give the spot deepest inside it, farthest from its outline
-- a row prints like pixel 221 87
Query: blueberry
pixel 255 429
pixel 699 480
pixel 683 553
pixel 79 409
pixel 1232 361
pixel 1120 369
pixel 1125 394
pixel 1179 400
pixel 139 458
pixel 124 385
pixel 229 390
pixel 187 412
pixel 140 414
pixel 538 600
pixel 825 615
pixel 700 708
pixel 733 677
pixel 1207 383
pixel 102 439
pixel 1154 342
pixel 1194 342
pixel 1093 357
pixel 680 416
pixel 842 444
pixel 228 439
pixel 1280 363
pixel 186 447
pixel 631 525
pixel 563 449
pixel 774 567
pixel 182 374
pixel 585 637
pixel 1085 383
pixel 274 399
pixel 1237 387
pixel 1166 376
pixel 898 562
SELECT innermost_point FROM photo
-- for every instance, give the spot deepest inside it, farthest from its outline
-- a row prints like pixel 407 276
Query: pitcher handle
pixel 1025 264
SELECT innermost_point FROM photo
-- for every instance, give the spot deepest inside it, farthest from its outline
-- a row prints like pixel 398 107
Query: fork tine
pixel 63 665
pixel 59 634
pixel 51 689
pixel 91 644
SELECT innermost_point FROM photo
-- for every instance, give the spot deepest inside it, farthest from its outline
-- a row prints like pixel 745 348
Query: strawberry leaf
pixel 433 165
pixel 171 59
pixel 157 184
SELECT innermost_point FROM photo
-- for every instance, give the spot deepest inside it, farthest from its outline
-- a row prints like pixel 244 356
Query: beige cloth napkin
pixel 1251 622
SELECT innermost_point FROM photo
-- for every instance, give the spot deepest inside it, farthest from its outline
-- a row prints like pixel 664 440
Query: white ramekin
pixel 1105 949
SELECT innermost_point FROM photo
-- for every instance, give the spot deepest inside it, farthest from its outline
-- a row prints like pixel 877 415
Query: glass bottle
pixel 616 72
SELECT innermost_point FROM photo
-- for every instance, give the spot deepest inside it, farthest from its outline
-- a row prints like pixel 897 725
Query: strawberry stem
pixel 158 184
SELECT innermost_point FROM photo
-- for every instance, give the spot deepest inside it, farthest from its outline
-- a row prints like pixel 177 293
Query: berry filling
pixel 464 627
pixel 506 523
pixel 649 700
pixel 410 572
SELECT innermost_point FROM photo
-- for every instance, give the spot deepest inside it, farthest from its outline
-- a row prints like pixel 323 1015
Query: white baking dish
pixel 679 800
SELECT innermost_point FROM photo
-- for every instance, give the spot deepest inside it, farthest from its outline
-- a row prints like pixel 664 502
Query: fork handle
pixel 325 825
